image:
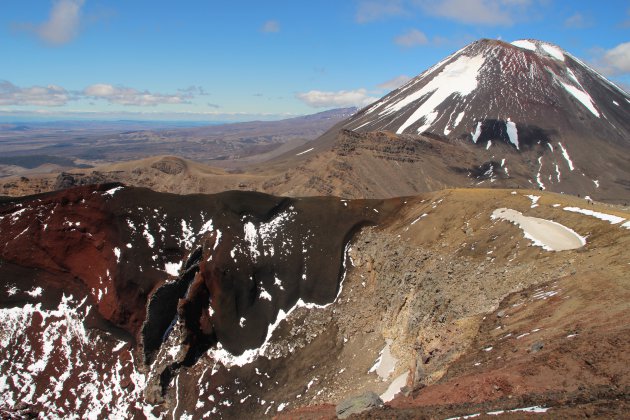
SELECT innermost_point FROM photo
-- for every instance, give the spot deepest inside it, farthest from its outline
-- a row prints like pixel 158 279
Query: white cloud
pixel 53 95
pixel 394 83
pixel 271 26
pixel 616 61
pixel 483 12
pixel 370 10
pixel 341 98
pixel 50 95
pixel 63 23
pixel 129 96
pixel 411 38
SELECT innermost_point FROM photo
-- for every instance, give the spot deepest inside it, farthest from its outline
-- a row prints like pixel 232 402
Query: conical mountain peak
pixel 528 82
pixel 528 97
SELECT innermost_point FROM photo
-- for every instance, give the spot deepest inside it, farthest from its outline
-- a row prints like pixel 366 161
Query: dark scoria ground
pixel 477 319
pixel 212 271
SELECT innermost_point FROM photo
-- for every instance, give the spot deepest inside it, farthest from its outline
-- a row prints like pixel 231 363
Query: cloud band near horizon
pixel 54 96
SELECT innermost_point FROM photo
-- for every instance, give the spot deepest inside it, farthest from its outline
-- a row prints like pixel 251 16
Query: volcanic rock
pixel 358 404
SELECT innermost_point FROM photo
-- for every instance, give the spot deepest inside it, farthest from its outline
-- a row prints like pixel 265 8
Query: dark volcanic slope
pixel 222 270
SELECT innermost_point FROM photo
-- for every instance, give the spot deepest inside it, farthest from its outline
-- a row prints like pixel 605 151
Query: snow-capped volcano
pixel 565 122
pixel 523 84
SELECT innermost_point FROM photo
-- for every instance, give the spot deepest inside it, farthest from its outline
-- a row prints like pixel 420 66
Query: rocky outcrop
pixel 170 165
pixel 67 180
pixel 358 404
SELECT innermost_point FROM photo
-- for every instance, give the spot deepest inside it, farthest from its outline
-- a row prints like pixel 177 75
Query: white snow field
pixel 549 235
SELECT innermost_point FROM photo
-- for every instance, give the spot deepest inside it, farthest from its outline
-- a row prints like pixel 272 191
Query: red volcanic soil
pixel 138 264
pixel 116 246
pixel 65 242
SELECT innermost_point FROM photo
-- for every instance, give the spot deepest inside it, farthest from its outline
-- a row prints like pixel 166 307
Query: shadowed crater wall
pixel 223 266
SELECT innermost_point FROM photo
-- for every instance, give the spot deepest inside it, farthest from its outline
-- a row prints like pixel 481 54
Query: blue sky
pixel 244 60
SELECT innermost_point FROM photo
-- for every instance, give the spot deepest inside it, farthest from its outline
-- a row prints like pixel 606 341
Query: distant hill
pixel 64 145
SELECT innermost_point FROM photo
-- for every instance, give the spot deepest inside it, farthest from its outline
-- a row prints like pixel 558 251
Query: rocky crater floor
pixel 246 305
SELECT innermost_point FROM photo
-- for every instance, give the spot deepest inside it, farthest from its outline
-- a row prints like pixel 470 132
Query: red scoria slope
pixel 209 271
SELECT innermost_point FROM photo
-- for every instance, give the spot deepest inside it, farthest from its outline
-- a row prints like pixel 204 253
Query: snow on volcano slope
pixel 530 83
pixel 58 365
pixel 530 96
pixel 458 77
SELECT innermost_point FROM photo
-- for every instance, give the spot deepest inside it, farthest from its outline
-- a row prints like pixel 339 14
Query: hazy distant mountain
pixel 97 143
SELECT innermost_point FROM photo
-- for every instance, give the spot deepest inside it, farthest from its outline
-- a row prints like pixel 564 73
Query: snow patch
pixel 549 235
pixel 173 268
pixel 207 227
pixel 251 237
pixel 602 216
pixel 395 387
pixel 306 151
pixel 477 132
pixel 512 133
pixel 557 173
pixel 265 295
pixel 572 76
pixel 584 98
pixel 458 77
pixel 227 359
pixel 538 177
pixel 36 292
pixel 261 237
pixel 553 51
pixel 385 363
pixel 525 44
pixel 147 235
pixel 566 156
pixel 459 118
pixel 112 191
pixel 534 409
pixel 534 199
pixel 62 344
pixel 187 235
pixel 421 216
